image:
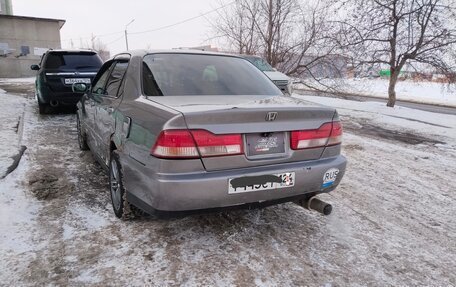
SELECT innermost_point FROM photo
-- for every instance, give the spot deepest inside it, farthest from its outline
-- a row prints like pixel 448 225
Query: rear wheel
pixel 42 108
pixel 82 137
pixel 122 208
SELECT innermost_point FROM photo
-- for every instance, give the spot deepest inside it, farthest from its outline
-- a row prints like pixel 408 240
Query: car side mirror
pixel 35 67
pixel 80 88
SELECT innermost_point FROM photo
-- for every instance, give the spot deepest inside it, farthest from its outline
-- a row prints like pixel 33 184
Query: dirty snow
pixel 420 92
pixel 18 211
pixel 29 80
pixel 393 221
pixel 10 125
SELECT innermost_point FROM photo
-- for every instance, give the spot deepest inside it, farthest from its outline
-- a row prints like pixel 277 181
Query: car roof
pixel 142 53
pixel 71 51
pixel 249 56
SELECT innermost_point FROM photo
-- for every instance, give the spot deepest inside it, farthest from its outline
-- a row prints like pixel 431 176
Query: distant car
pixel 282 81
pixel 181 131
pixel 58 71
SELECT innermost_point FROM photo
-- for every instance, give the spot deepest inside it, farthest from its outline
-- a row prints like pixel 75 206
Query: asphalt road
pixel 353 97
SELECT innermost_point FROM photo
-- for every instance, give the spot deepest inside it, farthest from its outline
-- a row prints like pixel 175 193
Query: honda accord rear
pixel 195 130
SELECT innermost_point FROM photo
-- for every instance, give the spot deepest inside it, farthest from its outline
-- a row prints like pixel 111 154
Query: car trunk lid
pixel 265 124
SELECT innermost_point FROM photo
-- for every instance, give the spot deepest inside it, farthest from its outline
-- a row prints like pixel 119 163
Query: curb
pixel 17 157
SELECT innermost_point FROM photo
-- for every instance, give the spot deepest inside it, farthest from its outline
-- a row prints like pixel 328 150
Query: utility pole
pixel 6 7
pixel 126 33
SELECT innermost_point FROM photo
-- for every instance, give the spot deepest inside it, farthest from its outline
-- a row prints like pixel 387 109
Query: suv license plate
pixel 262 182
pixel 77 80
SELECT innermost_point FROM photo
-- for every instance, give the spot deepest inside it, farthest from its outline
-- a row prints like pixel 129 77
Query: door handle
pixel 110 110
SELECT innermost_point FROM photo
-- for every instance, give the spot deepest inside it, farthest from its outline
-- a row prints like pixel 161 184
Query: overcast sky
pixel 101 17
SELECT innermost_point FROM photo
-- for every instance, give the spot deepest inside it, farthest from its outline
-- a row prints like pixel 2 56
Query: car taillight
pixel 193 143
pixel 175 143
pixel 210 144
pixel 328 134
pixel 336 134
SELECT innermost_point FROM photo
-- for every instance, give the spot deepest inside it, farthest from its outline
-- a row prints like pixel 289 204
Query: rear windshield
pixel 260 64
pixel 73 61
pixel 193 74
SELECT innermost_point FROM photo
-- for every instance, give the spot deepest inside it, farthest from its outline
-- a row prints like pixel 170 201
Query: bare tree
pixel 96 44
pixel 291 35
pixel 236 26
pixel 275 22
pixel 396 33
pixel 315 43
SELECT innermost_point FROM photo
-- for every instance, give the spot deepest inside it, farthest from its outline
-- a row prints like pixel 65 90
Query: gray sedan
pixel 182 131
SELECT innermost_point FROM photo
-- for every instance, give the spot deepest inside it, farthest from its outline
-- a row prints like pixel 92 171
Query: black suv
pixel 57 72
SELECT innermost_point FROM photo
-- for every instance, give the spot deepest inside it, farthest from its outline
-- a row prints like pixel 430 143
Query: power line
pixel 183 21
pixel 151 30
pixel 93 36
pixel 121 37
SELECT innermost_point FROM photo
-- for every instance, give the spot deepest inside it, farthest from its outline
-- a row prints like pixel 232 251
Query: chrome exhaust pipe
pixel 313 203
pixel 54 103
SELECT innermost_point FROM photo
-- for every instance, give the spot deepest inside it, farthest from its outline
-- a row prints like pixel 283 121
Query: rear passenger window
pixel 116 77
pixel 203 75
pixel 72 61
pixel 99 85
pixel 150 85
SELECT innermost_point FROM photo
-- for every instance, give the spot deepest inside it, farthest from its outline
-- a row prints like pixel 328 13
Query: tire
pixel 122 208
pixel 42 108
pixel 82 137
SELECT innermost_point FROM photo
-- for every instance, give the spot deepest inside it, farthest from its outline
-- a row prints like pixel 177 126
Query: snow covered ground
pixel 11 116
pixel 8 81
pixel 393 221
pixel 420 92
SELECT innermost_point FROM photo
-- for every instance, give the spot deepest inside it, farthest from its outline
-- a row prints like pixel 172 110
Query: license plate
pixel 265 143
pixel 77 80
pixel 262 182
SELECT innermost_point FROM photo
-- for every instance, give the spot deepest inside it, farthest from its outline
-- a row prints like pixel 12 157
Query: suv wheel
pixel 42 108
pixel 82 137
pixel 122 208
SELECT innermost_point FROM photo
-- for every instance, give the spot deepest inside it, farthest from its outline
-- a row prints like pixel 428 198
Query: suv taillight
pixel 193 143
pixel 327 135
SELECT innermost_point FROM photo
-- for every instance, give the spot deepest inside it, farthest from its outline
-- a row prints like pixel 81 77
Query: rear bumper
pixel 46 95
pixel 193 191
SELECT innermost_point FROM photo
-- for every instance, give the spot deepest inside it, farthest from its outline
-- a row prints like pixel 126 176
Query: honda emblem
pixel 271 116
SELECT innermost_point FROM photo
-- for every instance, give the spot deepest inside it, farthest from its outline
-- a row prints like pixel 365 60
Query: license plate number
pixel 265 143
pixel 77 80
pixel 263 182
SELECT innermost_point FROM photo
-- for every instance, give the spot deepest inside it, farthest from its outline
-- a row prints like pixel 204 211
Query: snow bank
pixel 421 92
pixel 10 119
pixel 17 80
